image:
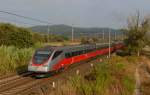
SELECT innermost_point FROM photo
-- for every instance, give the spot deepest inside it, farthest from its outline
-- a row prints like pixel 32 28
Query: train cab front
pixel 40 61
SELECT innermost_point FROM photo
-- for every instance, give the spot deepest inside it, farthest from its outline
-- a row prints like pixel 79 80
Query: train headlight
pixel 45 65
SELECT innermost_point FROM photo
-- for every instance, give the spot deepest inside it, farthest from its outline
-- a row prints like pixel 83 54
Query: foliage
pixel 84 40
pixel 43 38
pixel 38 38
pixel 87 40
pixel 11 35
pixel 108 78
pixel 57 38
pixel 136 34
pixel 13 59
pixel 17 36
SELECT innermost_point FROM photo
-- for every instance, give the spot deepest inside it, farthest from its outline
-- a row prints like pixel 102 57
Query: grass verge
pixel 13 59
pixel 108 78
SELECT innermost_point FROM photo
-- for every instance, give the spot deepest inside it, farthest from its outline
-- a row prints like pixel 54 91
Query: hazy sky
pixel 85 13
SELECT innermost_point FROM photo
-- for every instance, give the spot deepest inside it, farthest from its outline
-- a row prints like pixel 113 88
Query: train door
pixel 57 57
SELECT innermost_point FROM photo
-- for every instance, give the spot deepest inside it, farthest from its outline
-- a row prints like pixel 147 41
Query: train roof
pixel 65 47
pixel 74 47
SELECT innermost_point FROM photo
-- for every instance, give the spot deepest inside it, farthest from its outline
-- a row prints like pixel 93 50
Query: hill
pixel 65 30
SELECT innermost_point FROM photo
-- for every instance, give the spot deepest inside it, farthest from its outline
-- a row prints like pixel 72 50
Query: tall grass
pixel 106 79
pixel 13 59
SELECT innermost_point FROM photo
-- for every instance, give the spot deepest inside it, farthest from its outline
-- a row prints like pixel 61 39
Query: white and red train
pixel 51 58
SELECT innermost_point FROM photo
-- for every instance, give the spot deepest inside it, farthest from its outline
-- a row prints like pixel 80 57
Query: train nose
pixel 38 68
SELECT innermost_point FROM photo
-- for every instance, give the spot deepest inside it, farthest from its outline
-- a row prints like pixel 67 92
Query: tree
pixel 37 37
pixel 136 33
pixel 13 35
pixel 87 40
pixel 84 40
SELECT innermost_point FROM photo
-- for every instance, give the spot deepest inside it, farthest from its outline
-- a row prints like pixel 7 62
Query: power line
pixel 25 17
pixel 16 22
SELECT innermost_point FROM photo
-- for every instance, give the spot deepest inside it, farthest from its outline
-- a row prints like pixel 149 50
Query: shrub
pixel 16 36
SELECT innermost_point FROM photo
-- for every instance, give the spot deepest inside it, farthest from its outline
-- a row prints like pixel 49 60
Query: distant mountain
pixel 65 30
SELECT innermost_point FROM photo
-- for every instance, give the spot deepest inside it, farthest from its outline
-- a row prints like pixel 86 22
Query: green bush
pixel 11 35
pixel 16 36
pixel 37 37
pixel 57 38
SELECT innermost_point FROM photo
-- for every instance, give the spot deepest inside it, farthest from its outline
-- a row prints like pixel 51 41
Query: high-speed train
pixel 53 58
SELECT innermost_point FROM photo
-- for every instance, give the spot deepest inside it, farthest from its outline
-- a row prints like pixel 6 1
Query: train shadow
pixel 41 75
pixel 22 71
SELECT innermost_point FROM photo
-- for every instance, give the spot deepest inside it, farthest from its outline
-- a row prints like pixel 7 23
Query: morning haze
pixel 83 13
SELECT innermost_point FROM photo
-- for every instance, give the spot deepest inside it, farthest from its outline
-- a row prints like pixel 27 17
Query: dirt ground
pixel 144 72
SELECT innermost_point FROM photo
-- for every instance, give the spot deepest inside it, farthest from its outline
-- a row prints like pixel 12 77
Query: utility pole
pixel 122 36
pixel 72 33
pixel 48 33
pixel 115 36
pixel 109 43
pixel 103 35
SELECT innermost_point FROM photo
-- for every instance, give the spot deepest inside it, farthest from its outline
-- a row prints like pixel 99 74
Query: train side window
pixel 67 55
pixel 83 52
pixel 74 53
pixel 86 51
pixel 57 53
pixel 77 53
pixel 80 52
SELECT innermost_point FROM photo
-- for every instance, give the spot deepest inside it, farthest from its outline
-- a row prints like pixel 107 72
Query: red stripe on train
pixel 68 61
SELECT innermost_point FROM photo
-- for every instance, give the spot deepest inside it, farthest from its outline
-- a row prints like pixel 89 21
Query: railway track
pixel 13 80
pixel 27 85
pixel 14 83
pixel 7 78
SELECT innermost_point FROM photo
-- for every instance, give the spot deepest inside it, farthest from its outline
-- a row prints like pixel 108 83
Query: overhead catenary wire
pixel 29 18
pixel 16 21
pixel 25 17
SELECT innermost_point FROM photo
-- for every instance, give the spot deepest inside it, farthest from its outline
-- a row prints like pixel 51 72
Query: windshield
pixel 41 56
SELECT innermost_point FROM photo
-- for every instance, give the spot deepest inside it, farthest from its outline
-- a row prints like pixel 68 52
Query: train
pixel 54 58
